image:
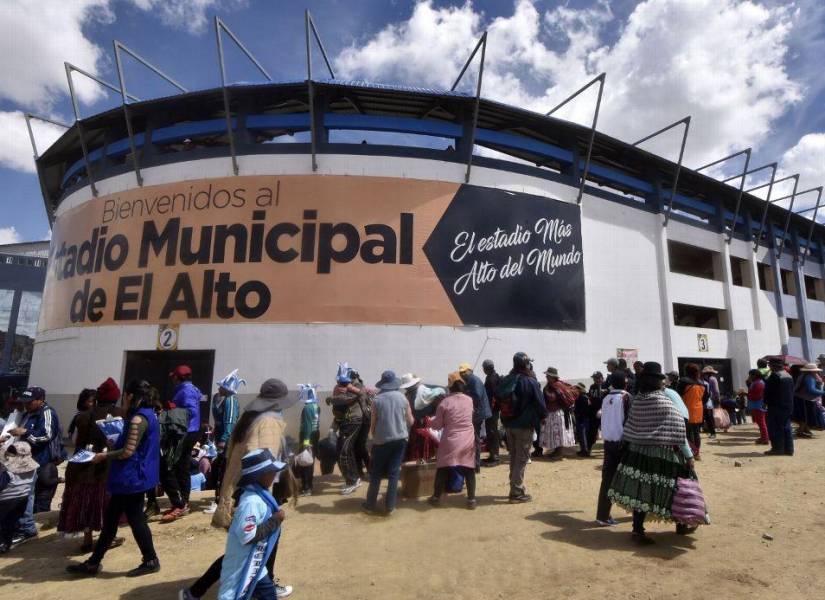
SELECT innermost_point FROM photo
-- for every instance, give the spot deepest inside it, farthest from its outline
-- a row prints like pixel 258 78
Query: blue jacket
pixel 141 471
pixel 42 433
pixel 481 404
pixel 225 411
pixel 189 397
pixel 530 401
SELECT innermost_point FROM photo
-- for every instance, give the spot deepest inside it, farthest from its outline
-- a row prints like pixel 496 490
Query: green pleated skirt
pixel 646 479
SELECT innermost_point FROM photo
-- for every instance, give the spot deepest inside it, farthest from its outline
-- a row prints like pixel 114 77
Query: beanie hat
pixel 108 392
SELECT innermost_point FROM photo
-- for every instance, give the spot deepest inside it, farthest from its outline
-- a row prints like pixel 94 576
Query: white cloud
pixel 807 158
pixel 15 145
pixel 721 61
pixel 9 235
pixel 190 15
pixel 37 38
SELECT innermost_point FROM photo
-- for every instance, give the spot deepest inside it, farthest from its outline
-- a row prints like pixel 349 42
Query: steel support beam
pixel 792 196
pixel 221 26
pixel 309 25
pixel 29 117
pixel 686 123
pixel 747 153
pixel 118 47
pixel 813 224
pixel 768 202
pixel 482 44
pixel 815 208
pixel 600 80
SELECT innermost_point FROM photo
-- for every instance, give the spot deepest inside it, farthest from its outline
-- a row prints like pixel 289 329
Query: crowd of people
pixel 132 446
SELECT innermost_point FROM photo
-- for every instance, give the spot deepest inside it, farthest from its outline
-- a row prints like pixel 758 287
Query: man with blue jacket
pixel 39 428
pixel 176 481
pixel 522 409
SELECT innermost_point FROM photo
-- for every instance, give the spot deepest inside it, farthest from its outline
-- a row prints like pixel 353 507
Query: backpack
pixel 509 403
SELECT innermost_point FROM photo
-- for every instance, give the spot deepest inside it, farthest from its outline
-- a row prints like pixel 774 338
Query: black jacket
pixel 779 392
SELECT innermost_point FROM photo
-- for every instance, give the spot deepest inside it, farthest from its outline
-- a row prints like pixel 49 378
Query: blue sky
pixel 749 72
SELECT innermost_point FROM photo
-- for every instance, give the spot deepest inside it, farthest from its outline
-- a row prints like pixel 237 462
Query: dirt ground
pixel 548 548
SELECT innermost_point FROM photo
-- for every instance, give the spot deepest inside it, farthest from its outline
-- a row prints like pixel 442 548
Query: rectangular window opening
pixel 687 315
pixel 794 327
pixel 740 273
pixel 694 261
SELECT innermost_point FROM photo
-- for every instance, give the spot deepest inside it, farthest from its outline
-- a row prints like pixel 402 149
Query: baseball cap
pixel 464 367
pixel 32 393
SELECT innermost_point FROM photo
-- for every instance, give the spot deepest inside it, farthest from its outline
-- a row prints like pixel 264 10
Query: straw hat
pixel 710 370
pixel 810 368
pixel 408 380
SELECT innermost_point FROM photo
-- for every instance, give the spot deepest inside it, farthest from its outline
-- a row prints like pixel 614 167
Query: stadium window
pixel 740 273
pixel 814 288
pixel 765 274
pixel 692 260
pixel 794 327
pixel 818 330
pixel 788 283
pixel 686 315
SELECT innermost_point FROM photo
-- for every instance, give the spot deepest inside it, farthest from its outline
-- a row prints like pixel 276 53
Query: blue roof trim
pixel 286 121
pixel 161 135
pixel 517 142
pixel 394 124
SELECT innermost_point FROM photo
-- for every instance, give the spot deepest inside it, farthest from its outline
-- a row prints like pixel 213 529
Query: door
pixel 723 365
pixel 154 366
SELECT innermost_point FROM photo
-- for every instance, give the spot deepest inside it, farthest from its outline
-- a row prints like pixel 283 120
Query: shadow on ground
pixel 571 529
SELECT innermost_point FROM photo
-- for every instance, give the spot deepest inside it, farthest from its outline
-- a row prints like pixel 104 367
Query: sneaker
pixel 85 569
pixel 4 548
pixel 490 462
pixel 370 510
pixel 152 510
pixel 608 523
pixel 712 436
pixel 211 510
pixel 520 499
pixel 347 490
pixel 22 538
pixel 172 515
pixel 434 501
pixel 145 568
pixel 282 591
pixel 185 594
pixel 304 493
pixel 472 503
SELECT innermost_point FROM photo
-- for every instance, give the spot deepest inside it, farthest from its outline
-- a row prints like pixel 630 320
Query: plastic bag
pixel 305 458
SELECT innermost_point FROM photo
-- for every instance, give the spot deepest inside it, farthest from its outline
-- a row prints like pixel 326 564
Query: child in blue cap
pixel 255 528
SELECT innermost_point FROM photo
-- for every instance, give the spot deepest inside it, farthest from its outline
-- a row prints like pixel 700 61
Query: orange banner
pixel 272 249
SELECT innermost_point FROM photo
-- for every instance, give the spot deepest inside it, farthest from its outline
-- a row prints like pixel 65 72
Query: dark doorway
pixel 723 365
pixel 155 366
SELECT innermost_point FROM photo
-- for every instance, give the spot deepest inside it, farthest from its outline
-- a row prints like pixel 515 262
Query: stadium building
pixel 283 227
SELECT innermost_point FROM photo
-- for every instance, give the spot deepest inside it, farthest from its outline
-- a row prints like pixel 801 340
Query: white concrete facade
pixel 629 296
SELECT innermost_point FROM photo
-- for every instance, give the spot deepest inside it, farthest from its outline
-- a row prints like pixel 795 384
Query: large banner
pixel 317 249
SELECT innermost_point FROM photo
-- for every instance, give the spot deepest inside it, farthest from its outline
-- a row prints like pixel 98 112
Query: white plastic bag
pixel 304 458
